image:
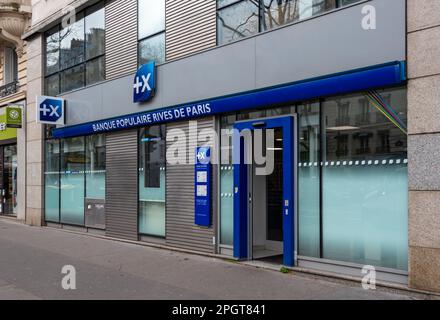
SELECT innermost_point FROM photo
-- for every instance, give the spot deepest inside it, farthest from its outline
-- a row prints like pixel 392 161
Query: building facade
pixel 14 19
pixel 333 96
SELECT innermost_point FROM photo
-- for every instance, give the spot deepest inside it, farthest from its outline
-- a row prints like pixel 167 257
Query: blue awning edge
pixel 380 76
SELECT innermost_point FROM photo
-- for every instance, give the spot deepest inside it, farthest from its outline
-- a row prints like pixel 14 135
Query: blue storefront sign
pixel 202 187
pixel 390 74
pixel 144 85
pixel 50 110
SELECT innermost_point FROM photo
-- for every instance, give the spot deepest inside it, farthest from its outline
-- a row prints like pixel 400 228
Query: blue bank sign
pixel 50 110
pixel 356 80
pixel 202 187
pixel 144 85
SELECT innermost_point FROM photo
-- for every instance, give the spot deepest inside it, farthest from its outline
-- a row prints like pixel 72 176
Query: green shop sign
pixel 14 116
pixel 6 133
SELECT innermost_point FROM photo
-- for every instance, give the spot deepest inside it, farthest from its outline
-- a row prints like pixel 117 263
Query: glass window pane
pixel 237 21
pixel 346 2
pixel 365 179
pixel 95 167
pixel 95 31
pixel 222 3
pixel 72 43
pixel 72 79
pixel 72 180
pixel 151 17
pixel 52 181
pixel 226 181
pixel 52 51
pixel 95 71
pixel 152 170
pixel 52 85
pixel 278 13
pixel 10 179
pixel 251 114
pixel 152 49
pixel 309 180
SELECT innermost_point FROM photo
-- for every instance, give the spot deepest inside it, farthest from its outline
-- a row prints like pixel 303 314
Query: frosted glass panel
pixel 95 167
pixel 96 184
pixel 226 181
pixel 52 181
pixel 51 201
pixel 364 177
pixel 365 214
pixel 72 198
pixel 152 207
pixel 72 181
pixel 309 180
pixel 226 204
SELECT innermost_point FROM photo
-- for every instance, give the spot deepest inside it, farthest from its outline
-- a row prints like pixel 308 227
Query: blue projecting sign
pixel 144 83
pixel 202 186
pixel 50 110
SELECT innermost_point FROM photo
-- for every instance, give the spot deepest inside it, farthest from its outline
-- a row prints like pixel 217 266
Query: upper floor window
pixel 75 55
pixel 241 18
pixel 10 71
pixel 151 17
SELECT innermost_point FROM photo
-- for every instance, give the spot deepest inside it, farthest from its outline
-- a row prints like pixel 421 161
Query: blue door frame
pixel 241 219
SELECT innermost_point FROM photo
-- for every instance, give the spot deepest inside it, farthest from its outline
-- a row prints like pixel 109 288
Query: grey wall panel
pixel 341 44
pixel 180 228
pixel 190 26
pixel 121 38
pixel 323 45
pixel 122 185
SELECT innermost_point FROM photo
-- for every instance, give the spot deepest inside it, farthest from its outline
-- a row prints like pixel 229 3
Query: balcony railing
pixel 9 89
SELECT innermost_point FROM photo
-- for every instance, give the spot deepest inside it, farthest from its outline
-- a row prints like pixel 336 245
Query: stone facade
pixel 424 141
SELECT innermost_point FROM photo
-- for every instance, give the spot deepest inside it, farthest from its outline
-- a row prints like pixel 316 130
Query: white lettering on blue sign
pixel 152 118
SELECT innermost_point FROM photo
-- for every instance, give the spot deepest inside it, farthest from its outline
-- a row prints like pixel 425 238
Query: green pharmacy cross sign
pixel 14 116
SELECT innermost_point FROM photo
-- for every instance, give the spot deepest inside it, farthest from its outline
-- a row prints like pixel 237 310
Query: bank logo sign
pixel 144 83
pixel 203 155
pixel 50 110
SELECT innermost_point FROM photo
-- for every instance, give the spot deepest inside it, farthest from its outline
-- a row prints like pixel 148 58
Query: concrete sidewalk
pixel 31 260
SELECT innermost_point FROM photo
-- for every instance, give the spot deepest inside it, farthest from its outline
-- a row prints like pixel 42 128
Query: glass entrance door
pixel 264 160
pixel 266 195
pixel 8 180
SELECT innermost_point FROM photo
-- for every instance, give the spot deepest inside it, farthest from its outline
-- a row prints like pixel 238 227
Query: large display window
pixel 152 173
pixel 352 177
pixel 74 171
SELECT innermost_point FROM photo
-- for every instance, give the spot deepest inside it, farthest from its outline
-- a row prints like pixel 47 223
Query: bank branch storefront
pixel 334 196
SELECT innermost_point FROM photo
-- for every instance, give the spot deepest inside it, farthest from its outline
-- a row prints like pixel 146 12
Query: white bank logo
pixel 144 83
pixel 50 110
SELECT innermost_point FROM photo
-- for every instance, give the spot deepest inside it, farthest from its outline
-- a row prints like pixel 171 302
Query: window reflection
pixel 238 19
pixel 95 32
pixel 72 43
pixel 151 17
pixel 364 179
pixel 52 51
pixel 76 52
pixel 152 49
pixel 72 79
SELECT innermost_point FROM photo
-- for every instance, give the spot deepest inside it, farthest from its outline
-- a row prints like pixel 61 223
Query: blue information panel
pixel 202 186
